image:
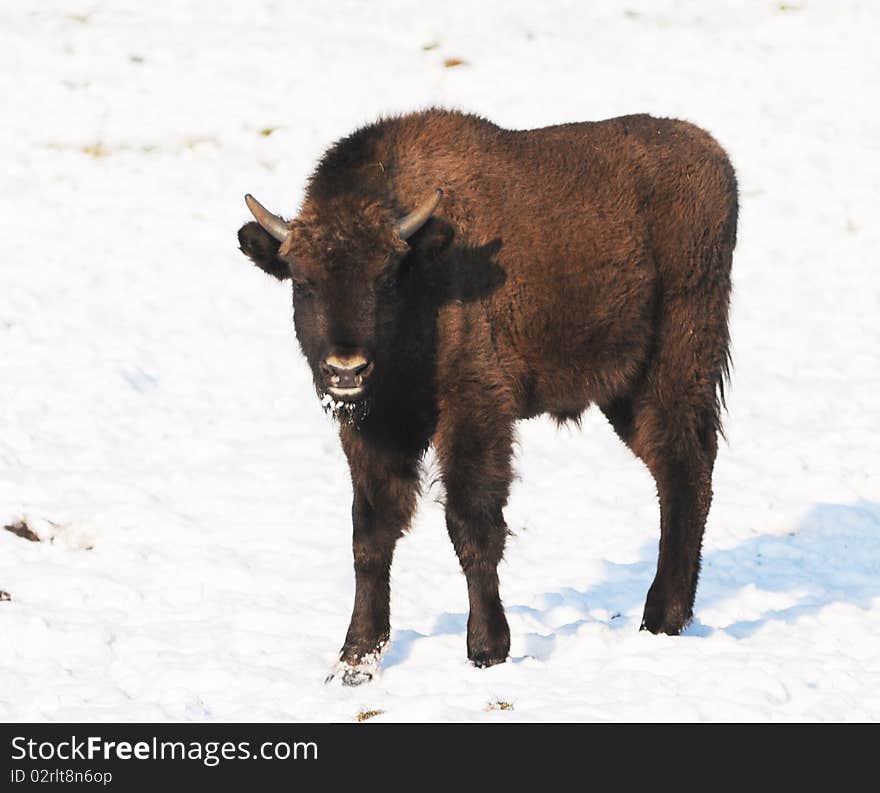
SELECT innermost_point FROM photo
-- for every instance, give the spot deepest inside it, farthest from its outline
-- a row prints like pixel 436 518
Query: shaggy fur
pixel 573 265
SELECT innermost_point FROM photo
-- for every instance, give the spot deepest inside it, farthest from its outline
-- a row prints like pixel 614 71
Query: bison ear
pixel 262 249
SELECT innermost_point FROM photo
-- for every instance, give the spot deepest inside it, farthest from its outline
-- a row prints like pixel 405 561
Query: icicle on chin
pixel 345 412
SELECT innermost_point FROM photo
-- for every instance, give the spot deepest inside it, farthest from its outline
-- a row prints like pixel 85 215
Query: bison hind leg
pixel 679 450
pixel 677 440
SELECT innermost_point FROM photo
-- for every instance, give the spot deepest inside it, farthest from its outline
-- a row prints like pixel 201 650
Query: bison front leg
pixel 385 491
pixel 475 458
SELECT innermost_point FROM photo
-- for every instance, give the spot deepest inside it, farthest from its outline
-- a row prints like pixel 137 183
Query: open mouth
pixel 346 394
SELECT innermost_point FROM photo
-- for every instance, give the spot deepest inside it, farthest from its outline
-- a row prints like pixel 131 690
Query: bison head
pixel 345 265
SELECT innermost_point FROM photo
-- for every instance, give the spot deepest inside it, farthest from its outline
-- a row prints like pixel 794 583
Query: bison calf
pixel 451 277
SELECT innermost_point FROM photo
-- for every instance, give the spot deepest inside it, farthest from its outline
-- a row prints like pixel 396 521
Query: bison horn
pixel 272 223
pixel 410 224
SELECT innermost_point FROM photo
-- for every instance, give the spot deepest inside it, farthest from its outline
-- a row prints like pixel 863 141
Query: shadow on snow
pixel 832 557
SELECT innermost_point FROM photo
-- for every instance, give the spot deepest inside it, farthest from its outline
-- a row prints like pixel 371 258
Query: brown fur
pixel 567 266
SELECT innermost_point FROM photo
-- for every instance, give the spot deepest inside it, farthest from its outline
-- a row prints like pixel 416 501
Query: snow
pixel 159 432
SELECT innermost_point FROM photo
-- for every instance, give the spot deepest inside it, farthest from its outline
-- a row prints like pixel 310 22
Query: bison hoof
pixel 665 618
pixel 483 660
pixel 489 652
pixel 347 675
pixel 356 672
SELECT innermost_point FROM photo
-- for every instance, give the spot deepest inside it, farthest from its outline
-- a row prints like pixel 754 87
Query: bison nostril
pixel 346 371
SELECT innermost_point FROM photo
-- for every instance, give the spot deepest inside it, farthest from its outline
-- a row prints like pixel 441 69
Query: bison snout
pixel 346 374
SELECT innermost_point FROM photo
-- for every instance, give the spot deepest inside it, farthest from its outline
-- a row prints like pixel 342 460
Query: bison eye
pixel 302 289
pixel 387 282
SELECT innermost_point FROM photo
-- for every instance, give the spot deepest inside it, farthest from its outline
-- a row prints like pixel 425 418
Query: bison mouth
pixel 347 393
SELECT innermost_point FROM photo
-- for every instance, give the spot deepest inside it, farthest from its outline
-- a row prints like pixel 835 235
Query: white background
pixel 159 429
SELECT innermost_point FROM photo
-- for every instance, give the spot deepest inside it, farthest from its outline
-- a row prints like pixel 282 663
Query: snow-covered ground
pixel 159 431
